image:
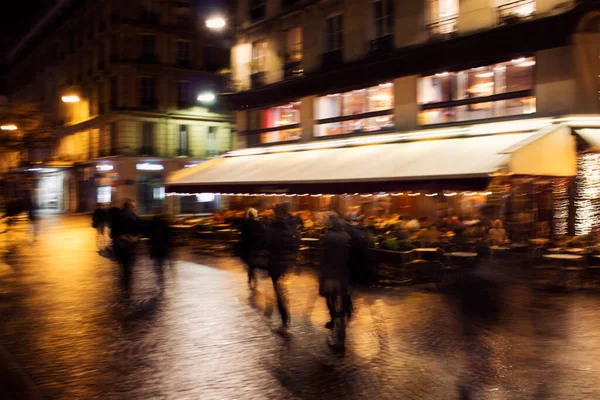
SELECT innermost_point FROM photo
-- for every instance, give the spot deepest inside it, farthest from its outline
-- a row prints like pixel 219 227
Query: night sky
pixel 16 19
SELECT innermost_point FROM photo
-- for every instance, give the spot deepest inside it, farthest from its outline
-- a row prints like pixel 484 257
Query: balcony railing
pixel 293 69
pixel 381 46
pixel 333 59
pixel 443 29
pixel 516 11
pixel 257 79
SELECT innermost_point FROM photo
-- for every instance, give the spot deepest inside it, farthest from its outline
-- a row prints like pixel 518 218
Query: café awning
pixel 456 163
pixel 591 137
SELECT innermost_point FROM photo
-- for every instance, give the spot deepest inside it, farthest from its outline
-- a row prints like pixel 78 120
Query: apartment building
pixel 119 81
pixel 435 88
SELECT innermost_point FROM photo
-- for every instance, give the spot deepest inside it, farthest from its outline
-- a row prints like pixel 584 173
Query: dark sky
pixel 16 19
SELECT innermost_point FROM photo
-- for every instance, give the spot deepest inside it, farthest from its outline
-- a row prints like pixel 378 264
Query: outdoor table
pixel 596 256
pixel 467 258
pixel 563 257
pixel 555 250
pixel 519 245
pixel 539 241
pixel 426 252
pixel 462 254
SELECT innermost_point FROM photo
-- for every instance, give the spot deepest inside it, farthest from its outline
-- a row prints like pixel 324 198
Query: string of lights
pixel 560 194
pixel 410 194
pixel 587 195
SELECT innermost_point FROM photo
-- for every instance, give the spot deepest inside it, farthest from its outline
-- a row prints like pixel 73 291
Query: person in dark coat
pixel 160 234
pixel 335 276
pixel 281 249
pixel 126 233
pixel 252 244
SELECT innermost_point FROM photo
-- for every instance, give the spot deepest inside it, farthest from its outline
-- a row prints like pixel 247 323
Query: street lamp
pixel 215 22
pixel 8 127
pixel 206 98
pixel 70 99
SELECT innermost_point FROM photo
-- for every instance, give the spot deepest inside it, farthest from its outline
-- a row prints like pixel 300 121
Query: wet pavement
pixel 66 332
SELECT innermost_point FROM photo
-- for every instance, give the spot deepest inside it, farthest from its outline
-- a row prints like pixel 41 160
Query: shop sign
pixel 149 167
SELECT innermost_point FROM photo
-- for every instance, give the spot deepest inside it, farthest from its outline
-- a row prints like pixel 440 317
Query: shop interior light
pixel 525 64
pixel 431 194
pixel 450 194
pixel 518 60
pixel 442 74
pixel 206 98
pixel 189 165
pixel 397 194
pixel 70 99
pixel 485 75
pixel 104 167
pixel 149 167
pixel 414 194
pixel 8 127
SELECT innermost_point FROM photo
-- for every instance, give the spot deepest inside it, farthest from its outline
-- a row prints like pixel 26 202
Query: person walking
pixel 335 278
pixel 252 244
pixel 161 243
pixel 126 233
pixel 99 222
pixel 281 249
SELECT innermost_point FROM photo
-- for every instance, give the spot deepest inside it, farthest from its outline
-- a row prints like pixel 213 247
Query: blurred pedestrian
pixel 126 233
pixel 160 234
pixel 335 278
pixel 252 244
pixel 281 249
pixel 32 213
pixel 99 222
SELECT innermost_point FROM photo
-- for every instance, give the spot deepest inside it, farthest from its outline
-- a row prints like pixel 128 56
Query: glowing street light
pixel 206 97
pixel 70 99
pixel 215 23
pixel 8 127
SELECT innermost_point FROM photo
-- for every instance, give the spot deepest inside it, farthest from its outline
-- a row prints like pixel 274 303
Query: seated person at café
pixel 428 236
pixel 497 235
pixel 413 225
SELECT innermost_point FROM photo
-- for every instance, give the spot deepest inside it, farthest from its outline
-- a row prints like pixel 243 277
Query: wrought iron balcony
pixel 293 69
pixel 381 46
pixel 257 79
pixel 443 29
pixel 333 59
pixel 516 11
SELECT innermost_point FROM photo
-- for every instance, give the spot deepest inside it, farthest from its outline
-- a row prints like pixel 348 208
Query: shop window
pixel 259 50
pixel 383 12
pixel 104 195
pixel 258 10
pixel 334 35
pixel 498 90
pixel 276 124
pixel 183 141
pixel 372 109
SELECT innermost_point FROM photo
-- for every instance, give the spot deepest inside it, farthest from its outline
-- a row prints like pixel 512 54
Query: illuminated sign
pixel 149 167
pixel 105 167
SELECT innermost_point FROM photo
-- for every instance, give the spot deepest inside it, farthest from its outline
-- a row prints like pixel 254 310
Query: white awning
pixel 466 161
pixel 591 137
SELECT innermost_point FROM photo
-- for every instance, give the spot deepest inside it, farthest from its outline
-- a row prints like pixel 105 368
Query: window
pixel 258 10
pixel 101 99
pixel 276 124
pixel 101 54
pixel 383 11
pixel 259 50
pixel 509 11
pixel 104 195
pixel 211 142
pixel 113 139
pixel 483 92
pixel 372 108
pixel 148 46
pixel 114 48
pixel 147 139
pixel 442 16
pixel 294 45
pixel 183 53
pixel 334 33
pixel 183 94
pixel 183 141
pixel 114 93
pixel 148 91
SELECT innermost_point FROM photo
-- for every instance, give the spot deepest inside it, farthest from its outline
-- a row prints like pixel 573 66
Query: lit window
pixel 294 44
pixel 104 194
pixel 373 108
pixel 478 87
pixel 442 17
pixel 274 118
pixel 259 50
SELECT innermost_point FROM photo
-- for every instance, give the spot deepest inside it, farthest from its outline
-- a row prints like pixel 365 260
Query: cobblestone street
pixel 66 333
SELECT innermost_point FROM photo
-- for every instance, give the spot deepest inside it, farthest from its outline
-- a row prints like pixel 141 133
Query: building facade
pixel 314 81
pixel 119 82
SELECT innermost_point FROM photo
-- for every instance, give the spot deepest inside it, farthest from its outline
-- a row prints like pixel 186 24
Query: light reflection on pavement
pixel 64 323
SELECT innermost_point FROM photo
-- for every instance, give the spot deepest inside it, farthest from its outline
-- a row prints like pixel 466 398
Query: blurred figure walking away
pixel 32 213
pixel 281 249
pixel 126 233
pixel 252 244
pixel 335 278
pixel 161 243
pixel 100 221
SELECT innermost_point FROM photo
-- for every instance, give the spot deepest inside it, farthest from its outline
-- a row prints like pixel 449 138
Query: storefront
pixel 518 177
